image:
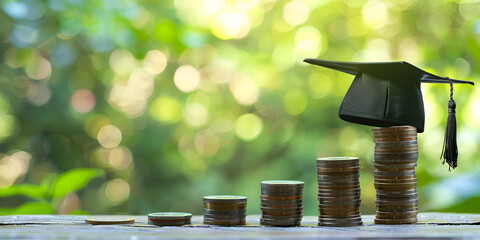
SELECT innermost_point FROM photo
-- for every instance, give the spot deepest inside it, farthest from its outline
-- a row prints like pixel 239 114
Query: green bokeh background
pixel 176 100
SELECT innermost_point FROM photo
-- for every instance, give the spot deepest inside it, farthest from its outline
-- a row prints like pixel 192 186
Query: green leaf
pixel 48 180
pixel 79 212
pixel 29 208
pixel 25 189
pixel 73 180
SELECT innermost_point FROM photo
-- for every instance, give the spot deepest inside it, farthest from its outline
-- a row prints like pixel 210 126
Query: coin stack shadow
pixel 338 192
pixel 281 203
pixel 224 210
pixel 396 153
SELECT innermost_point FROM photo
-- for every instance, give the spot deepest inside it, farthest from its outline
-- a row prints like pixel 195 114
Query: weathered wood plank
pixel 431 225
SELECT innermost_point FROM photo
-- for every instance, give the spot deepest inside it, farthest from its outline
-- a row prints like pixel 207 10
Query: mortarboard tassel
pixel 450 150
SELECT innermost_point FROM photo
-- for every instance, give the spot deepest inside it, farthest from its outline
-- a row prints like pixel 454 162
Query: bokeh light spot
pixel 212 6
pixel 122 61
pixel 433 112
pixel 248 127
pixel 166 109
pixel 38 93
pixel 462 68
pixel 231 25
pixel 13 167
pixel 82 100
pixel 283 56
pixel 356 26
pixel 4 104
pixel 408 50
pixel 220 71
pixel 155 62
pixel 186 78
pixel 140 85
pixel 206 143
pixel 186 147
pixel 474 106
pixel 295 12
pixel 120 158
pixel 196 109
pixel 64 54
pixel 347 138
pixel 7 126
pixel 109 136
pixel 15 58
pixel 15 9
pixel 23 36
pixel 38 68
pixel 196 114
pixel 94 124
pixel 245 90
pixel 131 97
pixel 69 203
pixel 375 13
pixel 377 49
pixel 295 101
pixel 320 84
pixel 117 191
pixel 308 42
pixel 224 128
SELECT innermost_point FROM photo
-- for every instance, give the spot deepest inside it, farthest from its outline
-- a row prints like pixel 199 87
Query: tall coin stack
pixel 224 210
pixel 281 203
pixel 338 192
pixel 396 153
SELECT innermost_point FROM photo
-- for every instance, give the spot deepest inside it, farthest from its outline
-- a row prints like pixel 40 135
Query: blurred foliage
pixel 179 99
pixel 50 194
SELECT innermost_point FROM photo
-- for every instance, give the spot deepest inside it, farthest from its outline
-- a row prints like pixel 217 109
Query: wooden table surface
pixel 430 225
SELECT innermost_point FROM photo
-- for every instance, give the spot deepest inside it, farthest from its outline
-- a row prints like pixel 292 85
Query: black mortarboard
pixel 385 94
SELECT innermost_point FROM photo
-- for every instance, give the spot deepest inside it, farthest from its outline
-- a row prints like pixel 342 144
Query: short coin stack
pixel 169 218
pixel 338 192
pixel 281 203
pixel 224 210
pixel 396 153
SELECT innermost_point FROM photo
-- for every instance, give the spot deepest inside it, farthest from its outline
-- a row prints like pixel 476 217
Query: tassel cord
pixel 450 150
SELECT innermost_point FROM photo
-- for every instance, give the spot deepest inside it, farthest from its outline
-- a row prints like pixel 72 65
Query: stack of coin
pixel 281 203
pixel 169 218
pixel 396 154
pixel 224 210
pixel 338 192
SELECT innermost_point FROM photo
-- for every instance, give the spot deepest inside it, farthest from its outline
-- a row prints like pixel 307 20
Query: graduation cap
pixel 385 94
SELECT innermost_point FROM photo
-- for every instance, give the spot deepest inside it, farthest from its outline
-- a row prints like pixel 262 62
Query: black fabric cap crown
pixel 384 94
